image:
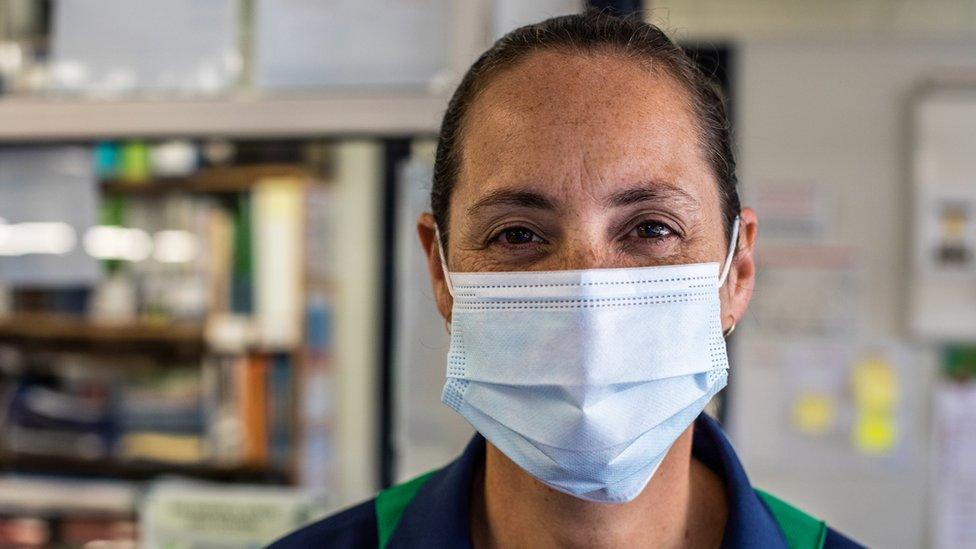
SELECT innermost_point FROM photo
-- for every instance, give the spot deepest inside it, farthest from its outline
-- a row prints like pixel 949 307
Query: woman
pixel 588 250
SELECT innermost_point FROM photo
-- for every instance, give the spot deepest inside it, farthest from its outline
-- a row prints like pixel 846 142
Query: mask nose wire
pixel 734 241
pixel 440 250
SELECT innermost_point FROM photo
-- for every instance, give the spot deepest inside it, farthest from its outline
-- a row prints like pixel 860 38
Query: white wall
pixel 836 112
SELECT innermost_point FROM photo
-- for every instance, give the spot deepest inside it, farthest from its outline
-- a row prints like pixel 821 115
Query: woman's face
pixel 585 162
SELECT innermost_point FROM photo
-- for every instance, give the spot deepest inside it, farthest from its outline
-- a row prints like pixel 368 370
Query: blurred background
pixel 215 320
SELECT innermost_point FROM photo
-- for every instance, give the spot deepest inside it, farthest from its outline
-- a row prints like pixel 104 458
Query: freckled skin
pixel 577 129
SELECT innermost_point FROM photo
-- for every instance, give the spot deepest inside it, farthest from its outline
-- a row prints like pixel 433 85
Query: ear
pixel 428 240
pixel 737 291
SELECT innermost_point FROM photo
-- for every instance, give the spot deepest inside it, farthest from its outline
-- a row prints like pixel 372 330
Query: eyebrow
pixel 651 192
pixel 510 197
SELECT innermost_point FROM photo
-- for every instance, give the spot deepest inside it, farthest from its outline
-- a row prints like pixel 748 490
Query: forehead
pixel 576 125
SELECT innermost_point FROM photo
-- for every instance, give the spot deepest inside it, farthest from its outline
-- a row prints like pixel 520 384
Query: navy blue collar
pixel 750 524
pixel 438 515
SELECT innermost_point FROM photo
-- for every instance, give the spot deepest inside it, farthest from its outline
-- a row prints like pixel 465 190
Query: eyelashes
pixel 652 229
pixel 516 236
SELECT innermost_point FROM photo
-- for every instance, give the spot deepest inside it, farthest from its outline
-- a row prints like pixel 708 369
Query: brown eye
pixel 517 235
pixel 652 229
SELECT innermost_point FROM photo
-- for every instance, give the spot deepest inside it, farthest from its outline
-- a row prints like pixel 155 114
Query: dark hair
pixel 587 33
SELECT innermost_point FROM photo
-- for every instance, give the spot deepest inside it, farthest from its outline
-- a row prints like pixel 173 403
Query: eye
pixel 653 229
pixel 514 236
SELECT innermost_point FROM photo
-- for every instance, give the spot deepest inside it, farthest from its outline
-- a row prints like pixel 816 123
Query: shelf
pixel 50 328
pixel 208 180
pixel 136 470
pixel 349 113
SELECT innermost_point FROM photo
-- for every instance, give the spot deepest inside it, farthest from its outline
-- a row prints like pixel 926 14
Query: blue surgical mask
pixel 586 378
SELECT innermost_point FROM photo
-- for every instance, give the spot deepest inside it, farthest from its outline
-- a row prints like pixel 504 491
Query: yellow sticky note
pixel 874 433
pixel 813 413
pixel 874 385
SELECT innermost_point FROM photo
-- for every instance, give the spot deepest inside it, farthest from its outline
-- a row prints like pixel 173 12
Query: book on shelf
pixel 229 411
pixel 161 447
pixel 277 228
pixel 253 408
pixel 281 376
pixel 242 298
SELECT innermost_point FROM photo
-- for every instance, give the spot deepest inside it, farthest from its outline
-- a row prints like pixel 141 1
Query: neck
pixel 683 505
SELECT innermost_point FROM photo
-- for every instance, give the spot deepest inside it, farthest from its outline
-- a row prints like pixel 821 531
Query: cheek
pixel 704 244
pixel 470 261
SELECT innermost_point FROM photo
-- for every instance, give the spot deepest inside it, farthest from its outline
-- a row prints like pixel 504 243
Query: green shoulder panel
pixel 800 529
pixel 392 502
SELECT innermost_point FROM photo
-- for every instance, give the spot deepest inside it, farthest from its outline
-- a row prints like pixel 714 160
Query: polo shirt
pixel 432 510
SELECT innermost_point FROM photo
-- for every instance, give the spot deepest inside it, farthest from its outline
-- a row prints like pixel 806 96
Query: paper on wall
pixel 954 501
pixel 807 289
pixel 792 210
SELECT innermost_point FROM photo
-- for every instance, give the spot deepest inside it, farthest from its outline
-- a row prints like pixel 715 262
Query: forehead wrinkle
pixel 562 81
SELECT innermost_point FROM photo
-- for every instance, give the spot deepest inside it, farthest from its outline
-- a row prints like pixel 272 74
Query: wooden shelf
pixel 137 470
pixel 208 180
pixel 374 113
pixel 50 328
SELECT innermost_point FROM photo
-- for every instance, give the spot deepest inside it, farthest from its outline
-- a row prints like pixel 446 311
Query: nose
pixel 585 247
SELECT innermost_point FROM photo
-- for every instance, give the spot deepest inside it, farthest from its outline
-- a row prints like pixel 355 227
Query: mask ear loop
pixel 734 242
pixel 440 250
pixel 728 266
